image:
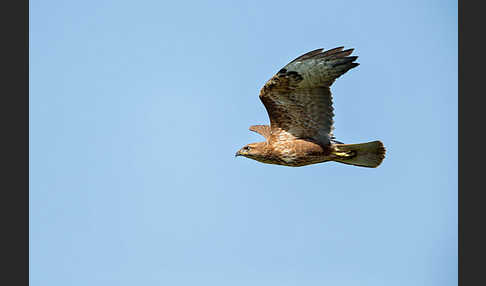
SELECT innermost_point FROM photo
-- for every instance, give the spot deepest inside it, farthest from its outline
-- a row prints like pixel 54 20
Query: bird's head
pixel 253 151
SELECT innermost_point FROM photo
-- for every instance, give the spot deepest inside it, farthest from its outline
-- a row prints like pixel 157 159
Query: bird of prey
pixel 298 101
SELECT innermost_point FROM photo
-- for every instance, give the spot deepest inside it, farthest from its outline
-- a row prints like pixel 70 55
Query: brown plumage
pixel 298 101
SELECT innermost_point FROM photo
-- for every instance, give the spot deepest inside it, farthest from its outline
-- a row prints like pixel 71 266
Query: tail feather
pixel 369 154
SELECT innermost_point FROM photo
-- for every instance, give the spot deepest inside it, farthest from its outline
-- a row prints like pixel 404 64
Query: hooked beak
pixel 237 154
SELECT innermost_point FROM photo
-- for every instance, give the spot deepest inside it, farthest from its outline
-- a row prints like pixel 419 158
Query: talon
pixel 345 154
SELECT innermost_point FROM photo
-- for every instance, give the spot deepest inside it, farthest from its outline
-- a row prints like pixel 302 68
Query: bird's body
pixel 299 103
pixel 293 153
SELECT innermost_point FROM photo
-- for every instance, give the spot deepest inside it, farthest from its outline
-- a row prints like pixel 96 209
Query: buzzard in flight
pixel 298 101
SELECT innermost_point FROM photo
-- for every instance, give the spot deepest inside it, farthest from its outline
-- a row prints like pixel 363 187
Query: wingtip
pixel 345 61
pixel 332 51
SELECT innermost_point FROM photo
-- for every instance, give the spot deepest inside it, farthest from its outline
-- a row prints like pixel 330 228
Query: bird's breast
pixel 299 153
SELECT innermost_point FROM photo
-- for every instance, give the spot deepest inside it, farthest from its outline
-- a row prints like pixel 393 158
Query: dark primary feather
pixel 307 55
pixel 332 51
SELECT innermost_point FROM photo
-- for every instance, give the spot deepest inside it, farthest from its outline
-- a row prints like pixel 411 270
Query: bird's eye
pixel 246 148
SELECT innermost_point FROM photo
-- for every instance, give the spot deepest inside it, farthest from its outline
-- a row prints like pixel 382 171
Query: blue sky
pixel 137 109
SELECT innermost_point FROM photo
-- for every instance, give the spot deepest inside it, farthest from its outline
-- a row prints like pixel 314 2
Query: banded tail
pixel 369 154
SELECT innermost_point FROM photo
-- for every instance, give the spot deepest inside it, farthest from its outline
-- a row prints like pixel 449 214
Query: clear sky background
pixel 137 109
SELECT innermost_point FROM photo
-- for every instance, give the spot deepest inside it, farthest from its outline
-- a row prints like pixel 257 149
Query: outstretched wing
pixel 298 99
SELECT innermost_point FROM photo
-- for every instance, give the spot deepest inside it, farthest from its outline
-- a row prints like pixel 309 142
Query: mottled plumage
pixel 298 101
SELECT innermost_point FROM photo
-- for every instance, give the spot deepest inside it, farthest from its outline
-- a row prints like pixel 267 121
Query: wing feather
pixel 263 130
pixel 298 98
